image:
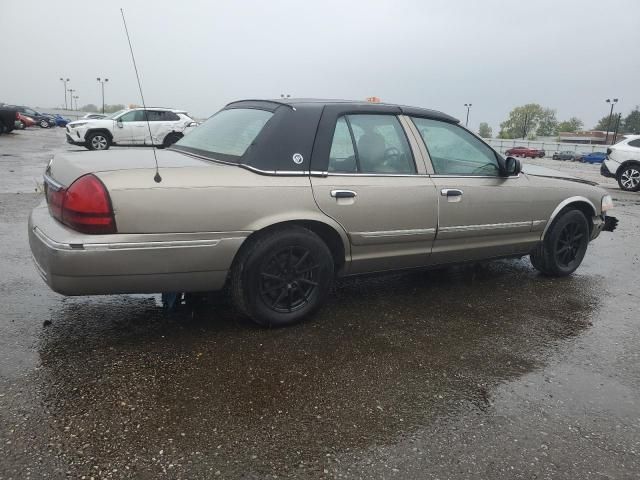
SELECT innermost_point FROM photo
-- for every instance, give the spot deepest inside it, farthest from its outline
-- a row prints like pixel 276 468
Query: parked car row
pixel 525 152
pixel 593 157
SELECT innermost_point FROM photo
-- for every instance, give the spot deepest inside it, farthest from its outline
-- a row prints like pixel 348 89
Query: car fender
pixel 300 217
pixel 565 203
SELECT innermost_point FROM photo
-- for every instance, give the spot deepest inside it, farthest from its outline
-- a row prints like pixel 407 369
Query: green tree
pixel 604 122
pixel 632 121
pixel 485 130
pixel 529 119
pixel 548 125
pixel 574 124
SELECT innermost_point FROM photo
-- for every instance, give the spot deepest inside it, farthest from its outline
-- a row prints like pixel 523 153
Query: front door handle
pixel 343 194
pixel 451 192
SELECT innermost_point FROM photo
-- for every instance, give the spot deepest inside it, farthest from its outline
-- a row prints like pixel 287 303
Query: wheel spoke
pixel 270 276
pixel 308 282
pixel 279 297
pixel 301 260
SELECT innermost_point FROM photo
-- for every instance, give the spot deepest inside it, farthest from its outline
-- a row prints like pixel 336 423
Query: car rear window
pixel 226 135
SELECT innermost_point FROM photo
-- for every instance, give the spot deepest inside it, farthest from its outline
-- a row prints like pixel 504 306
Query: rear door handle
pixel 343 194
pixel 451 192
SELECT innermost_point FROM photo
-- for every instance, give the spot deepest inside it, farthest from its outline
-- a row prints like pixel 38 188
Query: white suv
pixel 130 127
pixel 623 163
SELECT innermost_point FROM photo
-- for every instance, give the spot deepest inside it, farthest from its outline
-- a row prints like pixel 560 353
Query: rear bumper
pixel 77 264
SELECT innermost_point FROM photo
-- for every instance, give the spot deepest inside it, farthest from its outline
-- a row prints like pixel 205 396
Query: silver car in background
pixel 274 199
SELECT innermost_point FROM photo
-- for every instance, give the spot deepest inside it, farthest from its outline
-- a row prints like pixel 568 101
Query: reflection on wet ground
pixel 486 371
pixel 384 357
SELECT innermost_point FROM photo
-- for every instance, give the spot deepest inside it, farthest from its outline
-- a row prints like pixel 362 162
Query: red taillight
pixel 84 206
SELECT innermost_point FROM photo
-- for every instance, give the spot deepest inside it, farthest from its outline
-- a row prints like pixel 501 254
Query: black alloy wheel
pixel 282 276
pixel 288 279
pixel 564 246
pixel 570 242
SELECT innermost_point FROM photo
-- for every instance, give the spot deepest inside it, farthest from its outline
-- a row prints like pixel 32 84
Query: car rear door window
pixel 370 144
pixel 454 151
pixel 228 134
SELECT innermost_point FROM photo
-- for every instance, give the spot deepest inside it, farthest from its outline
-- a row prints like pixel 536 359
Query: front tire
pixel 562 250
pixel 170 139
pixel 629 178
pixel 98 141
pixel 282 277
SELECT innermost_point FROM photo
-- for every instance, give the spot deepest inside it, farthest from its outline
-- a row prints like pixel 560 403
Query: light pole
pixel 64 81
pixel 71 90
pixel 612 102
pixel 102 82
pixel 282 95
pixel 468 105
pixel 76 98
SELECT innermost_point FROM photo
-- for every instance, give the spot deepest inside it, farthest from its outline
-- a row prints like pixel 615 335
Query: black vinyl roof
pixel 297 138
pixel 316 102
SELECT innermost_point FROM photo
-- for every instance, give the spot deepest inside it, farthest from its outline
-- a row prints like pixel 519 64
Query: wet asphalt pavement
pixel 486 371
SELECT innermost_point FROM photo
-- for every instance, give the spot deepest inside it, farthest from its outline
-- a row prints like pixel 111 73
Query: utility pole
pixel 71 90
pixel 64 81
pixel 102 82
pixel 608 100
pixel 615 134
pixel 468 105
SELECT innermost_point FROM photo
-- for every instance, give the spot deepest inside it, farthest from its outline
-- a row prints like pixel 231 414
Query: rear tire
pixel 563 248
pixel 629 178
pixel 281 277
pixel 97 141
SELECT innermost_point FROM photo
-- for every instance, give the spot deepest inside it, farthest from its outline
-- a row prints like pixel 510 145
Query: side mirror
pixel 119 123
pixel 512 167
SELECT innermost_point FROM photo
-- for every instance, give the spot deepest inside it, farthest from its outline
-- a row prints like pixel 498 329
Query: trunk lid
pixel 67 167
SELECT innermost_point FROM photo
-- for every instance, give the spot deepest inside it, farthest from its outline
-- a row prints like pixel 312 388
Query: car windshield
pixel 226 135
pixel 115 114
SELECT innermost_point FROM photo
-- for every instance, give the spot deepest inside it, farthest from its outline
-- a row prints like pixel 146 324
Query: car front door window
pixel 454 151
pixel 370 144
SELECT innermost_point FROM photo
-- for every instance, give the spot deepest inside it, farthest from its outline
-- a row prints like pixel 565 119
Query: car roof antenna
pixel 157 178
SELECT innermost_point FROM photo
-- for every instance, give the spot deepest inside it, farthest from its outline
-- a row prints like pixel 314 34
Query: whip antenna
pixel 157 178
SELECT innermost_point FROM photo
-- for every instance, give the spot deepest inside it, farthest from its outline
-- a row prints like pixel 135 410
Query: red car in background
pixel 22 121
pixel 525 152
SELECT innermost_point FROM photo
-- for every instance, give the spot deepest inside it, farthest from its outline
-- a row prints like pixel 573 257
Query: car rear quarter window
pixel 370 144
pixel 455 151
pixel 227 134
pixel 634 143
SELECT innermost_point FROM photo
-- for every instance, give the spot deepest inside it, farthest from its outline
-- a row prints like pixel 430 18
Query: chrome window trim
pixel 52 183
pixel 563 204
pixel 476 176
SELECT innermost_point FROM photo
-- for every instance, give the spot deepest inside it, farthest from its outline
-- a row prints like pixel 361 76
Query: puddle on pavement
pixel 384 356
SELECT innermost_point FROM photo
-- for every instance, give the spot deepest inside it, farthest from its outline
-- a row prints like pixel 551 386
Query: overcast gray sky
pixel 199 55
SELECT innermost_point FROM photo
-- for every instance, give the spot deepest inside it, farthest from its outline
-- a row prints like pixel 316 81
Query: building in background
pixel 592 137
